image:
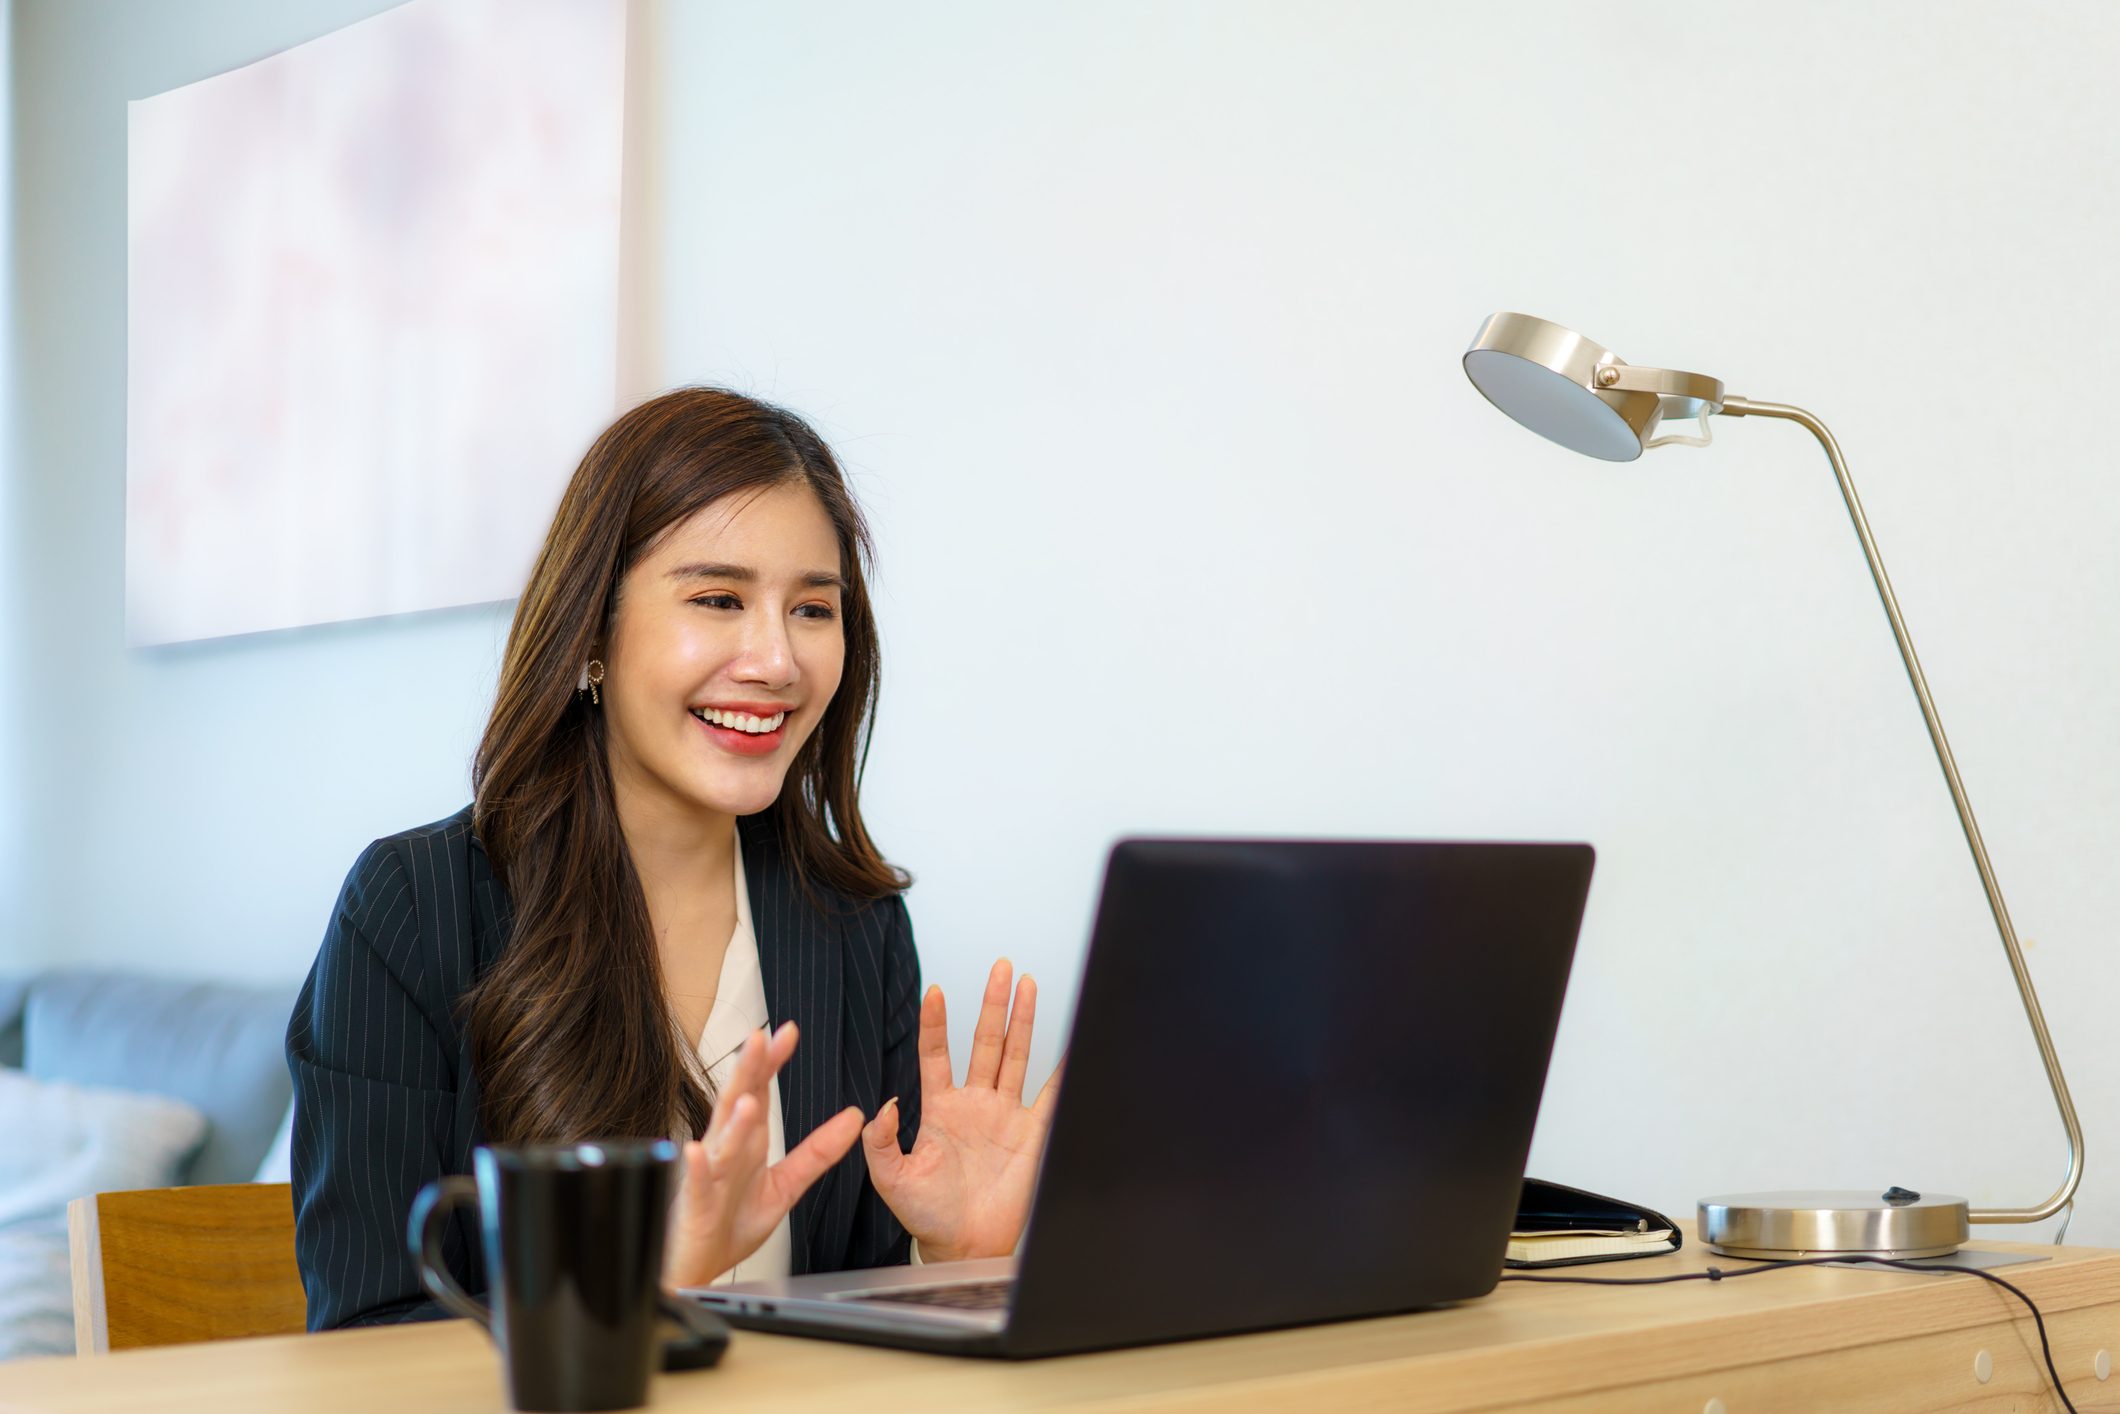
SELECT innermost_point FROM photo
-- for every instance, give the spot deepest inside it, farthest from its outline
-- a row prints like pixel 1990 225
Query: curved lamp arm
pixel 1745 407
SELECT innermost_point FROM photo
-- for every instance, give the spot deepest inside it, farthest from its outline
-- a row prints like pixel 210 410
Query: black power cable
pixel 1718 1274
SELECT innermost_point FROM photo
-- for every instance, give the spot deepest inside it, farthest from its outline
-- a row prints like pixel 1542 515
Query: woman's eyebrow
pixel 744 574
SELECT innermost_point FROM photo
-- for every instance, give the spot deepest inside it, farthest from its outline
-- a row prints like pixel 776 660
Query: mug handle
pixel 424 1235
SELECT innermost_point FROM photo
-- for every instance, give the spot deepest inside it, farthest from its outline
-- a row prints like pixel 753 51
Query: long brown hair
pixel 571 1035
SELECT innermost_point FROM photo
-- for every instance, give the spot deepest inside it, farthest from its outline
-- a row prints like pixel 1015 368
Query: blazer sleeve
pixel 878 1238
pixel 374 1088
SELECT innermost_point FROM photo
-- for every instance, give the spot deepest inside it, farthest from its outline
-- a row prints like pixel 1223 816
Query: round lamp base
pixel 1829 1223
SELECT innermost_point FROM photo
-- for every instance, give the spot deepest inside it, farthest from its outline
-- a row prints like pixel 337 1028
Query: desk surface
pixel 1798 1338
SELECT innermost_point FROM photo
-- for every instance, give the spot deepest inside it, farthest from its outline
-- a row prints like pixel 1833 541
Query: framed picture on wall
pixel 372 315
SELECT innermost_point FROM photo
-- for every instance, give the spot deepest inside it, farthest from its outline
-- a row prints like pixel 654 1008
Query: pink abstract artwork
pixel 372 315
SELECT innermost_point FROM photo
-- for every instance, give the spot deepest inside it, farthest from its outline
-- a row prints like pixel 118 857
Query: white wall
pixel 11 802
pixel 1139 326
pixel 189 809
pixel 11 794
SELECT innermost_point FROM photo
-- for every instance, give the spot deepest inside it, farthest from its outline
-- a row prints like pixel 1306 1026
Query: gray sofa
pixel 216 1046
pixel 90 1065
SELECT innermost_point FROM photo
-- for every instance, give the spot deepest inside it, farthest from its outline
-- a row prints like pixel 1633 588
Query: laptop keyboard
pixel 959 1295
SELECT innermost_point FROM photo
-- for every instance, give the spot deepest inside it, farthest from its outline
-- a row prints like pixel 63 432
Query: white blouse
pixel 740 1009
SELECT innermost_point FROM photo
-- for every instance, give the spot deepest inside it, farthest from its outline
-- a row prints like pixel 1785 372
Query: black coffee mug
pixel 574 1248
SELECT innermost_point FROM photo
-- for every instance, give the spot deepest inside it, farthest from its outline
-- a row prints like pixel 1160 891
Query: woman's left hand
pixel 965 1190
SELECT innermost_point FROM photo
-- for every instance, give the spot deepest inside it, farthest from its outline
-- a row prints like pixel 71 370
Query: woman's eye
pixel 718 601
pixel 815 611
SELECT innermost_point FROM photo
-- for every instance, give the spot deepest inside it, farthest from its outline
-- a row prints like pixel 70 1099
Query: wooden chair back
pixel 163 1266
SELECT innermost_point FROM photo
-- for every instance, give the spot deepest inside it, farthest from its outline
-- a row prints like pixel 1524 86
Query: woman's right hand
pixel 729 1199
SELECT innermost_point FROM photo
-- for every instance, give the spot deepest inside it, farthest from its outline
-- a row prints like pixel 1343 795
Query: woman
pixel 664 852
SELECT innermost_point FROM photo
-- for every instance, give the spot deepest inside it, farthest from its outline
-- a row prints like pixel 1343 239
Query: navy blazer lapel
pixel 801 963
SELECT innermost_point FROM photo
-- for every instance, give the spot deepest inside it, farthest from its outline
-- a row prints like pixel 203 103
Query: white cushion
pixel 277 1166
pixel 66 1141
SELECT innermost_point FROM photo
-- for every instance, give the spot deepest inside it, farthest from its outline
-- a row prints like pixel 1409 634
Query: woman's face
pixel 725 650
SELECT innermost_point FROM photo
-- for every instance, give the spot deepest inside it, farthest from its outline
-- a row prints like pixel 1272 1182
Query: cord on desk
pixel 1769 1265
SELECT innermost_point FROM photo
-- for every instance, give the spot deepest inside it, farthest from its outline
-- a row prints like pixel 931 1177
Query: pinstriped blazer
pixel 385 1097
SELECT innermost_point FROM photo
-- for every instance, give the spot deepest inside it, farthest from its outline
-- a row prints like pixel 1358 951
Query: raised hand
pixel 729 1199
pixel 965 1190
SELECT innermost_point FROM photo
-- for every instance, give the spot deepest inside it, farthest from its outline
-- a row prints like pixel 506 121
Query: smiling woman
pixel 664 854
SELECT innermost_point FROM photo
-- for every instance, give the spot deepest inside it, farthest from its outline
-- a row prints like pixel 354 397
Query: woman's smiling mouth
pixel 742 729
pixel 740 721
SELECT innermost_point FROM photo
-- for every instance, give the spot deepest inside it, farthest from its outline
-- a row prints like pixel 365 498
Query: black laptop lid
pixel 1301 1085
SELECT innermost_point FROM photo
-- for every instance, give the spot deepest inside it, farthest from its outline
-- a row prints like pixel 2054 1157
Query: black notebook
pixel 1559 1226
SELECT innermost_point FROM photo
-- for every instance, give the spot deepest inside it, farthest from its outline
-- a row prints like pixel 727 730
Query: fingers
pixel 810 1160
pixel 725 1103
pixel 880 1142
pixel 727 1150
pixel 1001 1041
pixel 751 1061
pixel 985 1065
pixel 745 1078
pixel 736 1141
pixel 737 1125
pixel 717 1174
pixel 697 1173
pixel 767 1052
pixel 782 1045
pixel 757 1062
pixel 1049 1094
pixel 1016 1048
pixel 685 1254
pixel 934 1044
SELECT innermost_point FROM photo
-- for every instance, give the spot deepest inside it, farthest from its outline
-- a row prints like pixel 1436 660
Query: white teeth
pixel 738 721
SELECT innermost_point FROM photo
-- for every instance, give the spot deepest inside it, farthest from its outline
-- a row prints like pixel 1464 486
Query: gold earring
pixel 595 675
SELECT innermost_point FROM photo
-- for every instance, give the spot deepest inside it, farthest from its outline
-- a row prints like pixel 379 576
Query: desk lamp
pixel 1571 391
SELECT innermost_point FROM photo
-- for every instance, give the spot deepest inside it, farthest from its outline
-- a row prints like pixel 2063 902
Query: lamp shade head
pixel 1542 375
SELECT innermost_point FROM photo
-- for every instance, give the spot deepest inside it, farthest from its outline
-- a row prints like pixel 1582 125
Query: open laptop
pixel 1301 1085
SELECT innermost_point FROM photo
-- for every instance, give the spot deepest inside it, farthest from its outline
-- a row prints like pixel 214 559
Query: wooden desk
pixel 1800 1339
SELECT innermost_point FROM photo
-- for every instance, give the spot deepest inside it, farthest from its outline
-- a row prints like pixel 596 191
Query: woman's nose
pixel 767 655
